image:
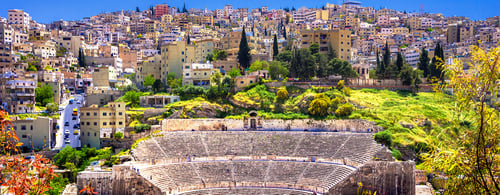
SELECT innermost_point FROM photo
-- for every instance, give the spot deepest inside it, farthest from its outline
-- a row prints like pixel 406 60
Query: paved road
pixel 67 116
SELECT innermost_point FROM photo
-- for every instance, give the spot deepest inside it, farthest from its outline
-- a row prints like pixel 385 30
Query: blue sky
pixel 46 11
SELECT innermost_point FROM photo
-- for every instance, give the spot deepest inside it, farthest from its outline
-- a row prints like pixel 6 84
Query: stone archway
pixel 253 122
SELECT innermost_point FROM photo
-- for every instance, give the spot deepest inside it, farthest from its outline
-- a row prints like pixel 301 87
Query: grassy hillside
pixel 431 115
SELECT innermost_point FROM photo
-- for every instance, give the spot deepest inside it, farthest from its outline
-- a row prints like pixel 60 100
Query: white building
pixel 19 18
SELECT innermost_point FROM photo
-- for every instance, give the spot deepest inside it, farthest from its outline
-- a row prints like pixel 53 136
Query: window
pixel 95 134
pixel 31 128
pixel 241 82
pixel 88 133
pixel 104 114
pixel 187 74
pixel 104 123
pixel 82 123
pixel 120 113
pixel 88 113
pixel 95 113
pixel 88 123
pixel 24 136
pixel 23 127
pixel 95 123
pixel 120 123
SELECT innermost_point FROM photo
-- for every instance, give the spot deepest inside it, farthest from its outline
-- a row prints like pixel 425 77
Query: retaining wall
pixel 355 125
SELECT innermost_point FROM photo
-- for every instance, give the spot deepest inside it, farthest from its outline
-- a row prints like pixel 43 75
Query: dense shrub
pixel 282 94
pixel 396 154
pixel 142 127
pixel 118 135
pixel 384 137
pixel 319 106
pixel 344 110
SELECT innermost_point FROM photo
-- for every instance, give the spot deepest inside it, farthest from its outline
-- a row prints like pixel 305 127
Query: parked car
pixel 66 123
pixel 76 126
pixel 66 131
pixel 74 118
pixel 75 132
pixel 71 101
pixel 67 141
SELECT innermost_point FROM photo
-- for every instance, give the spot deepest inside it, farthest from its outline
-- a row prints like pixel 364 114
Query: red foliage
pixel 19 174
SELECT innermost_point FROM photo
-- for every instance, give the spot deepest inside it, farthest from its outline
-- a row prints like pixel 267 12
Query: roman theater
pixel 256 156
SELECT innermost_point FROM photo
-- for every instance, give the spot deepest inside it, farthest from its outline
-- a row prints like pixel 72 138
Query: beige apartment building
pixel 339 40
pixel 178 53
pixel 101 122
pixel 17 92
pixel 38 133
pixel 104 76
pixel 198 74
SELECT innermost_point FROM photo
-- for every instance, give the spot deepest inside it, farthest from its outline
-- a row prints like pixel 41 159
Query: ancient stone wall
pixel 153 112
pixel 384 177
pixel 100 181
pixel 274 124
pixel 126 181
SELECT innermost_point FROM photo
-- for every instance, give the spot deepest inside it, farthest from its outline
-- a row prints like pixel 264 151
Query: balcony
pixel 25 94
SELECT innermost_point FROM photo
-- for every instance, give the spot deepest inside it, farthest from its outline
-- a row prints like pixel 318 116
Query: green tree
pixel 52 107
pixel 157 86
pixel 275 46
pixel 244 56
pixel 342 68
pixel 184 10
pixel 314 48
pixel 344 110
pixel 221 54
pixel 319 106
pixel 118 135
pixel 44 95
pixel 58 184
pixel 471 160
pixel 282 94
pixel 278 68
pixel 148 81
pixel 384 137
pixel 423 62
pixel 233 73
pixel 435 68
pixel 380 71
pixel 284 31
pixel 259 65
pixel 81 58
pixel 399 62
pixel 173 82
pixel 285 56
pixel 133 97
pixel 303 64
pixel 387 55
pixel 331 52
pixel 31 68
pixel 137 9
pixel 322 64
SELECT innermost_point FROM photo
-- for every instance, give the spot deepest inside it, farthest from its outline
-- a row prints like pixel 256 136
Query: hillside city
pixel 342 99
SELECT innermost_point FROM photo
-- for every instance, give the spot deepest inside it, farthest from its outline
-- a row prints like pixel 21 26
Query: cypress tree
pixel 399 62
pixel 275 46
pixel 423 62
pixel 380 67
pixel 435 70
pixel 244 56
pixel 387 56
pixel 188 40
pixel 265 32
pixel 184 10
pixel 284 33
